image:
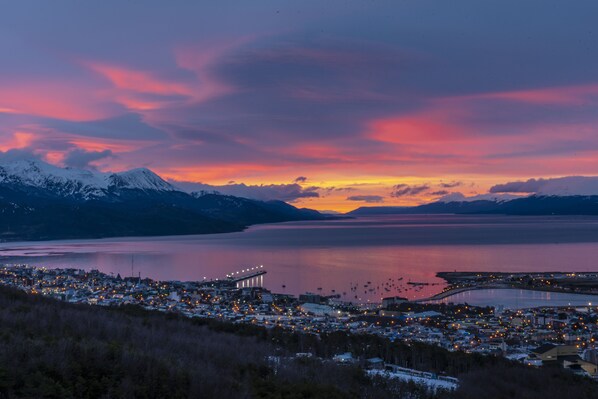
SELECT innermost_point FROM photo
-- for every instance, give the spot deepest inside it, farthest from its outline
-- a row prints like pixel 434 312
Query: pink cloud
pixel 18 140
pixel 67 100
pixel 415 129
pixel 139 90
pixel 138 81
pixel 201 59
pixel 562 95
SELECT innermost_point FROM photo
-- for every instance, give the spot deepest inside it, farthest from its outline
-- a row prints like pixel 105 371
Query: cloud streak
pixel 405 190
pixel 569 185
pixel 370 199
pixel 263 192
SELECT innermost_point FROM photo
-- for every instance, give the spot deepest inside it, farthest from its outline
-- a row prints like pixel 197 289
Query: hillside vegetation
pixel 51 349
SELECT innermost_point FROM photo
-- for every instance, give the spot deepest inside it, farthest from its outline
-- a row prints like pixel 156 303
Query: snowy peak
pixel 34 173
pixel 81 183
pixel 39 173
pixel 141 179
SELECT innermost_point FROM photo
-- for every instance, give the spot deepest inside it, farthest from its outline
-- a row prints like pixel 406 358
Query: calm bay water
pixel 361 259
pixel 515 299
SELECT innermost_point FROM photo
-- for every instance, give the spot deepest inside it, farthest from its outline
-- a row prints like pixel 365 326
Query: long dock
pixel 246 276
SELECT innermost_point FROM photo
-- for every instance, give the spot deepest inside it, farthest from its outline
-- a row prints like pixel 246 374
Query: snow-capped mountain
pixel 42 201
pixel 139 179
pixel 80 183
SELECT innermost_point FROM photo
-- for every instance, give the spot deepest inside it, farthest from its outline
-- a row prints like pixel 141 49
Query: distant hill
pixel 39 201
pixel 533 205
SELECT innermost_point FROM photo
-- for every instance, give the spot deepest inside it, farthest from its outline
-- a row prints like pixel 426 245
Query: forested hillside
pixel 51 349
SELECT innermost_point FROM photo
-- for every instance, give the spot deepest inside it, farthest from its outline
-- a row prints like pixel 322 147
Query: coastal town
pixel 563 336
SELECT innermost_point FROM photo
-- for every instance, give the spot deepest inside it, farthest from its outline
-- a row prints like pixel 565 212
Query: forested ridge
pixel 52 349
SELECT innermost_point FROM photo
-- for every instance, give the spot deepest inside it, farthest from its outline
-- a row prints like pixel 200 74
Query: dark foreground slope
pixel 50 349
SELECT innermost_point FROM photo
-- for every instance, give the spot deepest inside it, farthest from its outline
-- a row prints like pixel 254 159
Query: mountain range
pixel 39 201
pixel 531 205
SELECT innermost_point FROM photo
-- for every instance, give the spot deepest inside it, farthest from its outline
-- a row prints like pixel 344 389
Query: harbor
pixel 240 297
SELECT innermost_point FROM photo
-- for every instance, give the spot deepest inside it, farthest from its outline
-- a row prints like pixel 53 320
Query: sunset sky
pixel 330 104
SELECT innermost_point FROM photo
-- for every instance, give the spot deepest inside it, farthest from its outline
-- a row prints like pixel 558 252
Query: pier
pixel 251 277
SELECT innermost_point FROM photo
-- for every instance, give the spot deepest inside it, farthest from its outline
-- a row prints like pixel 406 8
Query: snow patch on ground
pixel 432 383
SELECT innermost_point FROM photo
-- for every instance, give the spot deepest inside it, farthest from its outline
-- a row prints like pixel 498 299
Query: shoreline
pixel 446 294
